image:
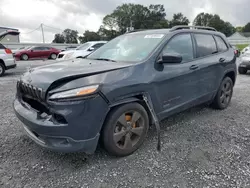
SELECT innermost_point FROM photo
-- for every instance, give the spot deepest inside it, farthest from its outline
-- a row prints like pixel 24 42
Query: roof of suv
pixel 179 28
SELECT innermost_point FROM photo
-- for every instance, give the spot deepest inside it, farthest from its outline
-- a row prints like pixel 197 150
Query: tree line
pixel 141 17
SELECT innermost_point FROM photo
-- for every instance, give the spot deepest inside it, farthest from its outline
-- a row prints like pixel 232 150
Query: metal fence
pixel 19 45
pixel 234 42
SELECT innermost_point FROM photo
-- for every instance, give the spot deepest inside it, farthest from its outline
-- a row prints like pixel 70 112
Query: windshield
pixel 130 47
pixel 83 47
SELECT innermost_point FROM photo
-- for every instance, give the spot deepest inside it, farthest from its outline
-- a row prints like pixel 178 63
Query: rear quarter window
pixel 220 44
pixel 205 45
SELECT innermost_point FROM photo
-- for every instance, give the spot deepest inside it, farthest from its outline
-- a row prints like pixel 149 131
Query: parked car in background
pixel 244 65
pixel 7 60
pixel 37 52
pixel 20 49
pixel 69 48
pixel 81 51
pixel 245 49
pixel 115 94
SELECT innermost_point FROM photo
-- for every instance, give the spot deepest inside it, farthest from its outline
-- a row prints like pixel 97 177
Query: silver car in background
pixel 244 65
pixel 7 59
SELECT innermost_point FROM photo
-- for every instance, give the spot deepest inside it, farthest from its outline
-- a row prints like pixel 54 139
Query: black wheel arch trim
pixel 2 62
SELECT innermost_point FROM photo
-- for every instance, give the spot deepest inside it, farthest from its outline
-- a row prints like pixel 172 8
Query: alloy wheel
pixel 128 130
pixel 226 93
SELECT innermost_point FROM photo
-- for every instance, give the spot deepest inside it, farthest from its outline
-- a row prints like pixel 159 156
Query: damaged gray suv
pixel 115 94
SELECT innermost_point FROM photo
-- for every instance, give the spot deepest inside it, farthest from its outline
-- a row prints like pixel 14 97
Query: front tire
pixel 2 69
pixel 24 57
pixel 224 94
pixel 242 70
pixel 125 129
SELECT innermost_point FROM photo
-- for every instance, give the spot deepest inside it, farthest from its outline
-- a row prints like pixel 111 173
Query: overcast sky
pixel 27 15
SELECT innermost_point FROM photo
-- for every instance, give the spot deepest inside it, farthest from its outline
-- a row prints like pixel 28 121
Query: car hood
pixel 67 52
pixel 46 76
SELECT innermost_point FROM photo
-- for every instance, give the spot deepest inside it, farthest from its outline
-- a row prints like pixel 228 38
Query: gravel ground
pixel 201 147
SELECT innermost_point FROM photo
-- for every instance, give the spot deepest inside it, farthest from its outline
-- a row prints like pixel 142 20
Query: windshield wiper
pixel 105 59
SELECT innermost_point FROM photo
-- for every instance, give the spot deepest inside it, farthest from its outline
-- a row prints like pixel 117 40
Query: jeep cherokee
pixel 133 81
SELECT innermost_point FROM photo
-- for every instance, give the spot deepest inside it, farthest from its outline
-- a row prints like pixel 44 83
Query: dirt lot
pixel 201 147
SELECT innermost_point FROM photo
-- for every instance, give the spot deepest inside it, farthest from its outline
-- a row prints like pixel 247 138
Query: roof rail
pixel 192 27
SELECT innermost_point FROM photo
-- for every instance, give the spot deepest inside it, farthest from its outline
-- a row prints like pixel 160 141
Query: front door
pixel 178 83
pixel 36 52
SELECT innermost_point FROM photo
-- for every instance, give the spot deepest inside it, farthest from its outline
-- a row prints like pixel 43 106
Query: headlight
pixel 67 56
pixel 75 92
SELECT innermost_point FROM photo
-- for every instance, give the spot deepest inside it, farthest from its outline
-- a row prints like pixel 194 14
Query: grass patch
pixel 241 46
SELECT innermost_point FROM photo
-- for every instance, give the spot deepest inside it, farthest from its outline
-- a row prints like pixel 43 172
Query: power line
pixel 32 30
pixel 52 27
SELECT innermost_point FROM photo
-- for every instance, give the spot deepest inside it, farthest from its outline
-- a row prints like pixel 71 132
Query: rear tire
pixel 224 94
pixel 242 70
pixel 2 69
pixel 125 129
pixel 24 57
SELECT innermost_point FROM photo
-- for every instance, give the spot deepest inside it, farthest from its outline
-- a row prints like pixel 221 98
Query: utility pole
pixel 42 32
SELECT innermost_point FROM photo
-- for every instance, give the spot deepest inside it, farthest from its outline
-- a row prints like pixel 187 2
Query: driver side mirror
pixel 170 58
pixel 91 49
pixel 31 50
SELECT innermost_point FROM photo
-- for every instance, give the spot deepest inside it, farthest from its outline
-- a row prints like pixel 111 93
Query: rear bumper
pixel 10 62
pixel 81 133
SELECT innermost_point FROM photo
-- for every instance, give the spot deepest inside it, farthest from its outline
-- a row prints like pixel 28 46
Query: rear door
pixel 46 51
pixel 208 62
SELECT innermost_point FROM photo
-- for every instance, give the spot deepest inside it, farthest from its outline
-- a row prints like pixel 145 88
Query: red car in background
pixel 37 52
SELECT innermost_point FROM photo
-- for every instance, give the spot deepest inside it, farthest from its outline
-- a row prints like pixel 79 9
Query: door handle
pixel 193 67
pixel 222 60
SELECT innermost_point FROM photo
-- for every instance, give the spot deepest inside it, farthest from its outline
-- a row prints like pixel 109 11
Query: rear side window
pixel 97 45
pixel 2 47
pixel 205 45
pixel 181 44
pixel 220 44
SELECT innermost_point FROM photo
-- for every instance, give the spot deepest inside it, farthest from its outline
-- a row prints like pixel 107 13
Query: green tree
pixel 107 34
pixel 246 27
pixel 202 19
pixel 89 36
pixel 70 36
pixel 127 15
pixel 58 38
pixel 205 19
pixel 135 15
pixel 239 29
pixel 179 19
pixel 157 16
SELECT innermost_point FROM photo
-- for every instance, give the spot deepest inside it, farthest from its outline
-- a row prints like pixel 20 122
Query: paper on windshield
pixel 154 36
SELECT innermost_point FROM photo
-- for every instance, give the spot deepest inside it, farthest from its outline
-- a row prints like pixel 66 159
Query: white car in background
pixel 246 49
pixel 81 51
pixel 7 59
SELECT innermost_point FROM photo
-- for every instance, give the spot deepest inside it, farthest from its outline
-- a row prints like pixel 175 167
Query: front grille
pixel 60 55
pixel 30 90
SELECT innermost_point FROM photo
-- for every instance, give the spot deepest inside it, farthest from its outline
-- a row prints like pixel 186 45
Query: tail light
pixel 235 52
pixel 8 51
